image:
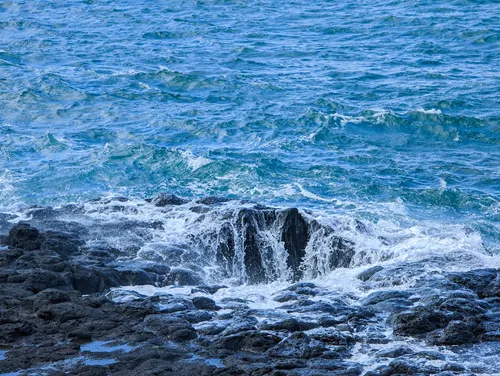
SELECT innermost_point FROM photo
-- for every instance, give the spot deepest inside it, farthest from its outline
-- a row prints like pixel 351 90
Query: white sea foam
pixel 8 196
pixel 431 111
pixel 314 196
pixel 408 250
pixel 393 240
pixel 442 183
pixel 193 161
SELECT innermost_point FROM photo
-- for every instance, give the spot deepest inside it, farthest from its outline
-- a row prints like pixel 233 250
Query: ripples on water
pixel 338 105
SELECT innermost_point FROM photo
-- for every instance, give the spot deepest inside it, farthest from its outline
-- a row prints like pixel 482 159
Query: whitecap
pixel 193 161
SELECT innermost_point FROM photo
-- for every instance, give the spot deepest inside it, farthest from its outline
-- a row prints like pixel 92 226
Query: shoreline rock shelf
pixel 64 310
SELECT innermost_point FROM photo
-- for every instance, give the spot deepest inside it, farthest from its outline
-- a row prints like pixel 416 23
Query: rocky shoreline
pixel 64 310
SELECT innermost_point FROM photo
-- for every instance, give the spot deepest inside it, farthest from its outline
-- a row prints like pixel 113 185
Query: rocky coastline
pixel 65 308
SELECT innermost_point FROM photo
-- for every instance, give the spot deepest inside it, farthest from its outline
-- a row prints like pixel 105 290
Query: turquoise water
pixel 370 108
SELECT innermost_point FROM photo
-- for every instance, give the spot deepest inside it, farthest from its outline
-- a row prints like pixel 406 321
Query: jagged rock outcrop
pixel 248 238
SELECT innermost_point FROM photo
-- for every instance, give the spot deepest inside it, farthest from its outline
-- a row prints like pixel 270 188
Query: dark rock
pixel 430 355
pixel 418 321
pixel 170 255
pixel 251 222
pixel 475 280
pixel 327 321
pixel 90 280
pixel 333 337
pixel 380 371
pixel 241 324
pixel 458 333
pixel 37 280
pixel 308 306
pixel 154 367
pixel 176 305
pixel 394 352
pixel 286 296
pixel 408 367
pixel 165 199
pixel 9 255
pixel 250 341
pixel 44 317
pixel 360 226
pixel 208 289
pixel 210 329
pixel 212 200
pixel 290 364
pixel 67 311
pixel 297 346
pixel 28 238
pixel 45 298
pixel 182 277
pixel 337 368
pixel 25 237
pixel 295 236
pixel 11 332
pixel 172 327
pixel 225 249
pixel 62 243
pixel 381 296
pixel 41 213
pixel 202 302
pixel 341 250
pixel 234 300
pixel 289 325
pixel 368 273
pixel 302 288
pixel 461 308
pixel 493 288
pixel 5 226
pixel 130 277
pixel 195 317
pixel 160 270
pixel 46 260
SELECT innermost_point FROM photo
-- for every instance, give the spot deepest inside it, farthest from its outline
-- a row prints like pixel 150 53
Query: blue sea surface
pixel 342 106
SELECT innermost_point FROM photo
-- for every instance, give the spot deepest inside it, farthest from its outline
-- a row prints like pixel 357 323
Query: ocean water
pixel 368 108
pixel 384 112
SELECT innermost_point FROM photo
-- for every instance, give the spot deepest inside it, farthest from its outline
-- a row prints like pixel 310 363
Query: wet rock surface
pixel 65 312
